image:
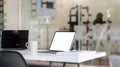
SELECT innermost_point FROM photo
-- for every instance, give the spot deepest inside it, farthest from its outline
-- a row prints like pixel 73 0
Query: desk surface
pixel 75 58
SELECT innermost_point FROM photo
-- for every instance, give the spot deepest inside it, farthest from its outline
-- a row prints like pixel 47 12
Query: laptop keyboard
pixel 49 52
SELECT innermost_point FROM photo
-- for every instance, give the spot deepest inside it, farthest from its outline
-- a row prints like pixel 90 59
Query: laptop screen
pixel 14 38
pixel 62 41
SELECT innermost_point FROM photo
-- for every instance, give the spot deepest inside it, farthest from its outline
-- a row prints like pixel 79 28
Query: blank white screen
pixel 62 41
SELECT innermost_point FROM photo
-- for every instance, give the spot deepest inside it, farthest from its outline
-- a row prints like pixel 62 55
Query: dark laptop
pixel 14 39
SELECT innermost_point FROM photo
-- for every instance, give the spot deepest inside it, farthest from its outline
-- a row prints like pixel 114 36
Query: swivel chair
pixel 114 61
pixel 12 59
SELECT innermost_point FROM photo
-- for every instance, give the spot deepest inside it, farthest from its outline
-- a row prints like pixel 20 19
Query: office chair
pixel 12 59
pixel 114 61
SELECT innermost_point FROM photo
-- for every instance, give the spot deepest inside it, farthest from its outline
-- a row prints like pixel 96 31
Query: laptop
pixel 62 41
pixel 14 39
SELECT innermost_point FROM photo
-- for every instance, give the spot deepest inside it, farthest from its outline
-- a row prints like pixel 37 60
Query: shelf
pixel 34 10
pixel 73 15
pixel 33 3
pixel 48 4
pixel 43 8
pixel 1 5
pixel 1 11
pixel 48 1
pixel 1 15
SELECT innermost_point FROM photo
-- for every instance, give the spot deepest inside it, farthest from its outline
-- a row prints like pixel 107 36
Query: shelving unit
pixel 1 17
pixel 43 11
pixel 43 8
pixel 48 4
pixel 33 7
pixel 73 18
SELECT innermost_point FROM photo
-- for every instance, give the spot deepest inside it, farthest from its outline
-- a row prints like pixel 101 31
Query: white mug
pixel 32 47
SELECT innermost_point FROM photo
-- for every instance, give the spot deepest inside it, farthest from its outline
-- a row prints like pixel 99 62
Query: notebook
pixel 62 41
pixel 14 39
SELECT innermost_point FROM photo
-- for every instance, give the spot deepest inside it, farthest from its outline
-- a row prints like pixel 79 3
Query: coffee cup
pixel 32 47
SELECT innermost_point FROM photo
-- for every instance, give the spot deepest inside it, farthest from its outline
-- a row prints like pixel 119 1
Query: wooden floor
pixel 46 64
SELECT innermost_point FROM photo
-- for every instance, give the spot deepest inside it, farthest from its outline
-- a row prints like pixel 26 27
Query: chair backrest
pixel 114 61
pixel 12 59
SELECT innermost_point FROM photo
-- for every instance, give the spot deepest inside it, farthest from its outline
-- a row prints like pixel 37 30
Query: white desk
pixel 66 58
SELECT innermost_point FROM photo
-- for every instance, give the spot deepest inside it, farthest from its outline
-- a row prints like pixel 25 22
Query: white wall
pixel 36 25
pixel 19 12
pixel 11 10
pixel 95 6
